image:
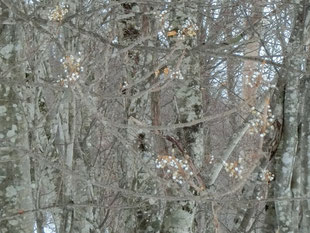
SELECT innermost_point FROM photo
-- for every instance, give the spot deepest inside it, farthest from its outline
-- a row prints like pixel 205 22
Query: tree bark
pixel 15 182
pixel 288 161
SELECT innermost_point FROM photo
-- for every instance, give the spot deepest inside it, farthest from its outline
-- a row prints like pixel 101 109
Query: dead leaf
pixel 166 71
pixel 171 33
pixel 156 73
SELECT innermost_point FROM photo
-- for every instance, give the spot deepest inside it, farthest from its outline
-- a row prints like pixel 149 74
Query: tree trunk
pixel 179 216
pixel 15 182
pixel 289 163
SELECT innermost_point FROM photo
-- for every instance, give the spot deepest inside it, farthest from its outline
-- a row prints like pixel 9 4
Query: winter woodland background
pixel 154 116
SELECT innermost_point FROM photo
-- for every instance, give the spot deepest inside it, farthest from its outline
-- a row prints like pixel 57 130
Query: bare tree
pixel 154 116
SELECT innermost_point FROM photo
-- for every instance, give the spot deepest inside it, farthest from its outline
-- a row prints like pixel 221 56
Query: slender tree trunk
pixel 179 217
pixel 290 213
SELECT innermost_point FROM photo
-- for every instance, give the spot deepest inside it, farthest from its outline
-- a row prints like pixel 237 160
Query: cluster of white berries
pixel 250 84
pixel 160 15
pixel 259 197
pixel 267 176
pixel 211 159
pixel 189 29
pixel 234 169
pixel 177 75
pixel 253 80
pixel 258 123
pixel 72 68
pixel 177 169
pixel 58 13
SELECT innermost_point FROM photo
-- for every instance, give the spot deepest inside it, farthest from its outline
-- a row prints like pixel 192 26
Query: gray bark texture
pixel 15 183
pixel 289 159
